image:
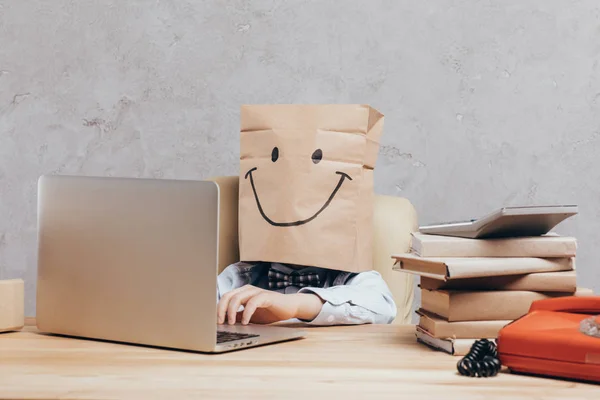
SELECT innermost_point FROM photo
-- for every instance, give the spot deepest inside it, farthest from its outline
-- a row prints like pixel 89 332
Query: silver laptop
pixel 506 222
pixel 135 261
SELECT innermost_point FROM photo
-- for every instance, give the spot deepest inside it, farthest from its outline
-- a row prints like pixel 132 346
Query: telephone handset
pixel 589 305
pixel 571 304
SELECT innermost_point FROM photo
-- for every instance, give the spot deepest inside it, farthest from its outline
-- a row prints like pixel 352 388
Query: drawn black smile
pixel 343 176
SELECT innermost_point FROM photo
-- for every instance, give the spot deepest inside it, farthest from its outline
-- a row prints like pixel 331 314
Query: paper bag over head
pixel 306 184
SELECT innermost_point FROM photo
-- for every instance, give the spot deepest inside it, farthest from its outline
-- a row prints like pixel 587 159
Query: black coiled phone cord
pixel 481 361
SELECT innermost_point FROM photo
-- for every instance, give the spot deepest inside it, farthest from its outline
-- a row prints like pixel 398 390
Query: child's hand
pixel 265 307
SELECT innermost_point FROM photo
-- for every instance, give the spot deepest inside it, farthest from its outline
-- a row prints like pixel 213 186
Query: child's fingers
pixel 224 302
pixel 251 306
pixel 222 306
pixel 237 300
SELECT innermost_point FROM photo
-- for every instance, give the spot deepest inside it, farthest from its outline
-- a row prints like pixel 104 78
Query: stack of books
pixel 471 288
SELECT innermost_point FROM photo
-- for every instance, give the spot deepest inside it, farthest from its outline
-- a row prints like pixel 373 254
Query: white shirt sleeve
pixel 364 299
pixel 232 278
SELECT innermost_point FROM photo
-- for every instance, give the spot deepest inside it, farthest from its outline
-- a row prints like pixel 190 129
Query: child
pixel 306 198
pixel 272 292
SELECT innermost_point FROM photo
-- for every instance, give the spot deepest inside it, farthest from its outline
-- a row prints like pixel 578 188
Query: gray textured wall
pixel 486 103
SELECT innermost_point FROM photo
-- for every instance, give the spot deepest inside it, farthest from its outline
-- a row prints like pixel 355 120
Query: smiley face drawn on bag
pixel 317 156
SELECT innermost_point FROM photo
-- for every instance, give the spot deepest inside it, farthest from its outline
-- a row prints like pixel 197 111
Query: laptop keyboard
pixel 223 336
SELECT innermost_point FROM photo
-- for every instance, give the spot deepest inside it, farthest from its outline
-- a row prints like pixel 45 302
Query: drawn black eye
pixel 275 154
pixel 317 156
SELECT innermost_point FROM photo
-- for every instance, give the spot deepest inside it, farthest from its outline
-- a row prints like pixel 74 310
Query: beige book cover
pixel 445 268
pixel 440 328
pixel 455 347
pixel 547 246
pixel 12 304
pixel 561 281
pixel 485 305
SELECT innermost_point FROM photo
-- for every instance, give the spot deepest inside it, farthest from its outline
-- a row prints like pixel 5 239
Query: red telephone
pixel 548 340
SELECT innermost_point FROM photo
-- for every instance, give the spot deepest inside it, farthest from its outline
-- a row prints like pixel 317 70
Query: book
pixel 12 305
pixel 455 347
pixel 485 305
pixel 445 268
pixel 440 328
pixel 547 246
pixel 561 281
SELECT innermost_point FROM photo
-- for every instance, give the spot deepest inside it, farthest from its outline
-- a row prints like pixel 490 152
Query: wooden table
pixel 336 363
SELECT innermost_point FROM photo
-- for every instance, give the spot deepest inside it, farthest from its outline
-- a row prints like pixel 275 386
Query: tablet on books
pixel 506 222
